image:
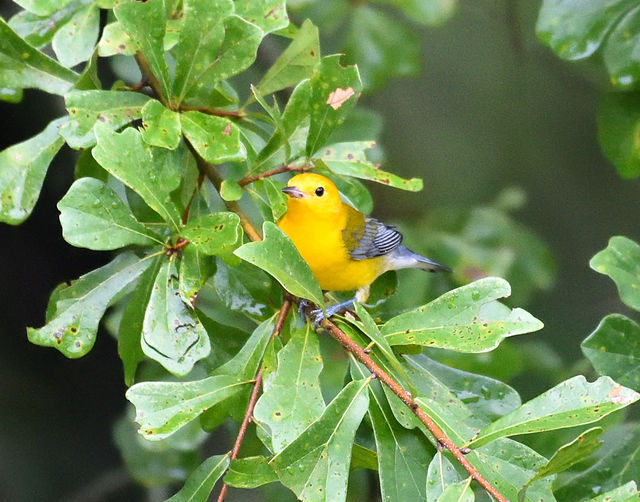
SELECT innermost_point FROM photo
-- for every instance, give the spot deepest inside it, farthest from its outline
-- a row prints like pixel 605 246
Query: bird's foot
pixel 318 315
pixel 302 308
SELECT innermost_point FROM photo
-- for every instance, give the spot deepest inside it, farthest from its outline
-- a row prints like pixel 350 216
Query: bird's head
pixel 312 192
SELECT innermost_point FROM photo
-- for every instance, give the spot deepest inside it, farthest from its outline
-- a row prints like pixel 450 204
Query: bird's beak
pixel 294 192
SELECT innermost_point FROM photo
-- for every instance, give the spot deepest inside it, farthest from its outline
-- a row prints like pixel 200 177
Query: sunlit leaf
pixel 146 23
pixel 172 334
pixel 269 15
pixel 349 159
pixel 334 92
pixel 74 42
pixel 73 328
pixel 24 167
pixel 215 138
pixel 620 260
pixel 568 404
pixel 42 7
pixel 201 481
pixel 111 109
pixel 94 217
pixel 316 463
pixel 161 125
pixel 22 66
pixel 239 286
pixel 164 407
pixel 292 398
pixel 214 234
pixel 195 269
pixel 278 256
pixel 625 493
pixel 467 319
pixel 620 51
pixel 458 492
pixel 295 63
pixel 115 40
pixel 38 30
pixel 148 171
pixel 440 475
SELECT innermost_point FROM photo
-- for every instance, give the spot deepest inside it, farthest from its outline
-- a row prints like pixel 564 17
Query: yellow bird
pixel 345 249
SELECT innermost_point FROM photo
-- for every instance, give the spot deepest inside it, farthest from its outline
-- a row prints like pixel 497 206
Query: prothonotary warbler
pixel 345 249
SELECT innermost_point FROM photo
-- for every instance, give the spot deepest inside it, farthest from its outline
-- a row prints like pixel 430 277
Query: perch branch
pixel 284 310
pixel 406 398
pixel 284 169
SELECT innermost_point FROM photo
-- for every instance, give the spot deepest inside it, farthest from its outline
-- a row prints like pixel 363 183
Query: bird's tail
pixel 403 257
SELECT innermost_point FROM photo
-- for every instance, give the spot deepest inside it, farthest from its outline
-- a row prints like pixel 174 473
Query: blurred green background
pixel 491 109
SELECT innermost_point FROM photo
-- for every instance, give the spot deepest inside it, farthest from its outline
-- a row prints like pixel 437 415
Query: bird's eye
pixel 320 191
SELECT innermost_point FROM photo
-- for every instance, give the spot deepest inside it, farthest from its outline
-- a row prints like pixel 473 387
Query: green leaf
pixel 164 407
pixel 147 170
pixel 614 350
pixel 161 126
pixel 42 7
pixel 576 33
pixel 250 472
pixel 571 403
pixel 146 24
pixel 111 109
pixel 467 319
pixel 278 256
pixel 22 66
pixel 618 463
pixel 403 454
pixel 216 139
pixel 195 269
pixel 24 167
pixel 349 159
pixel 363 458
pixel 620 51
pixel 568 455
pixel 239 288
pixel 269 15
pixel 625 493
pixel 200 40
pixel 130 330
pixel 72 330
pixel 172 334
pixel 440 475
pixel 236 54
pixel 458 492
pixel 115 40
pixel 296 62
pixel 201 481
pixel 382 47
pixel 214 234
pixel 230 190
pixel 39 30
pixel 292 398
pixel 620 260
pixel 508 465
pixel 74 42
pixel 334 92
pixel 618 125
pixel 316 464
pixel 94 217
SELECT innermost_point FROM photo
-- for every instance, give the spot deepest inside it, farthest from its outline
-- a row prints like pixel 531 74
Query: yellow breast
pixel 319 241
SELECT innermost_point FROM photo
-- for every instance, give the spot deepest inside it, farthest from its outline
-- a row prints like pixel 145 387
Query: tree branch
pixel 150 78
pixel 284 310
pixel 406 398
pixel 216 113
pixel 284 169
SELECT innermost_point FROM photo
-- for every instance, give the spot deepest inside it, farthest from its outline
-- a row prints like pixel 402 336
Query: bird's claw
pixel 302 307
pixel 318 316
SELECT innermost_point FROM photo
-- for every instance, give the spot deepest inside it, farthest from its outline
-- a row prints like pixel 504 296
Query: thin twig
pixel 150 78
pixel 210 172
pixel 406 398
pixel 284 310
pixel 284 169
pixel 216 113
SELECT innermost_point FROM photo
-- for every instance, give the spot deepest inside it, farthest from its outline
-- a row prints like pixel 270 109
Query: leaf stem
pixel 284 310
pixel 150 78
pixel 406 398
pixel 284 169
pixel 217 113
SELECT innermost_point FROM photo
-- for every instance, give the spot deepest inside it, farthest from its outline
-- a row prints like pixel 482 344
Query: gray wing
pixel 377 239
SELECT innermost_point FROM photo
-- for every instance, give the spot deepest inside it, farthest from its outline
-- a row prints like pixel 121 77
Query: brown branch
pixel 211 172
pixel 284 310
pixel 149 78
pixel 216 113
pixel 406 398
pixel 284 169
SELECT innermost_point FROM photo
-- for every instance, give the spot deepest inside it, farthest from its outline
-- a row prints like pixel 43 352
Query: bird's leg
pixel 361 296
